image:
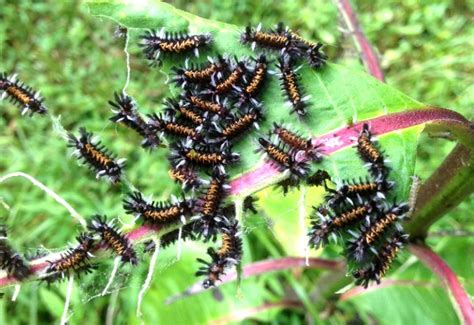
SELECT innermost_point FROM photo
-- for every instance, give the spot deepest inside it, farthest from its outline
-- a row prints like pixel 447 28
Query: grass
pixel 427 52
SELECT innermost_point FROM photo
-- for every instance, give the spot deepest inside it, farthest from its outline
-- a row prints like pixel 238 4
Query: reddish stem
pixel 344 137
pixel 367 53
pixel 330 143
pixel 266 266
pixel 449 279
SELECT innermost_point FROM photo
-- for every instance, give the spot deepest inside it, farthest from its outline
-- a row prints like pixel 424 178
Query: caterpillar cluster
pixel 27 99
pixel 358 212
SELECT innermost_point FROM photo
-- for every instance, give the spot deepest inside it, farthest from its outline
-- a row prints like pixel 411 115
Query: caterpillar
pixel 75 260
pixel 11 261
pixel 126 112
pixel 228 255
pixel 370 234
pixel 273 40
pixel 199 75
pixel 256 79
pixel 96 156
pixel 186 154
pixel 172 107
pixel 371 154
pixel 238 125
pixel 168 239
pixel 231 81
pixel 316 58
pixel 22 95
pixel 156 42
pixel 322 226
pixel 291 87
pixel 283 159
pixel 378 268
pixel 206 105
pixel 157 213
pixel 173 128
pixel 297 142
pixel 114 239
pixel 210 202
pixel 361 190
pixel 186 176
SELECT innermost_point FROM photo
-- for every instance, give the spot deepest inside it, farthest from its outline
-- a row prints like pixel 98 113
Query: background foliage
pixel 427 53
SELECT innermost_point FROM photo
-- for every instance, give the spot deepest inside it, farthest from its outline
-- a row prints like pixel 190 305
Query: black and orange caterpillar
pixel 187 154
pixel 126 112
pixel 154 43
pixel 284 159
pixel 74 261
pixel 369 235
pixel 22 95
pixel 96 156
pixel 377 269
pixel 199 74
pixel 160 214
pixel 228 255
pixel 114 239
pixel 290 84
pixel 10 260
pixel 297 142
pixel 187 177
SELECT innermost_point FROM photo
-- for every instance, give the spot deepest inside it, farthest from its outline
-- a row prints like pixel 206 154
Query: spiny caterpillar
pixel 228 255
pixel 291 87
pixel 256 79
pixel 156 42
pixel 96 156
pixel 386 219
pixel 231 81
pixel 114 239
pixel 186 176
pixel 206 105
pixel 171 127
pixel 238 125
pixel 356 190
pixel 173 107
pixel 186 154
pixel 377 269
pixel 199 75
pixel 322 223
pixel 157 213
pixel 283 159
pixel 22 95
pixel 75 260
pixel 370 153
pixel 297 142
pixel 10 260
pixel 126 112
pixel 270 39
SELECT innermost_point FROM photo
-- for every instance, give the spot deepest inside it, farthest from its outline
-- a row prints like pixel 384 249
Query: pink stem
pixel 356 291
pixel 265 266
pixel 344 137
pixel 367 53
pixel 330 143
pixel 449 279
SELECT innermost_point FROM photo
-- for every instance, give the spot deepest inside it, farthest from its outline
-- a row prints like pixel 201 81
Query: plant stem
pixel 366 51
pixel 456 292
pixel 444 190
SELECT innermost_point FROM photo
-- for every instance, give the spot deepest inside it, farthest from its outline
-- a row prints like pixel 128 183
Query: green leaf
pixel 340 96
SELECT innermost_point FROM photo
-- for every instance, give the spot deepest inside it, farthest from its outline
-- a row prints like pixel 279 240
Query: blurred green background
pixel 427 52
